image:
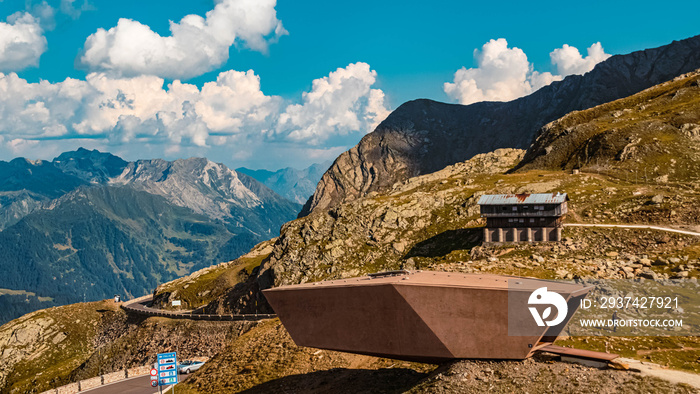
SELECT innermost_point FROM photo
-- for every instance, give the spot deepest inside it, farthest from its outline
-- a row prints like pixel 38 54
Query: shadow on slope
pixel 447 242
pixel 341 380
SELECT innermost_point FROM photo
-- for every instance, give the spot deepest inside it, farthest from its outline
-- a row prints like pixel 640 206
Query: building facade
pixel 523 217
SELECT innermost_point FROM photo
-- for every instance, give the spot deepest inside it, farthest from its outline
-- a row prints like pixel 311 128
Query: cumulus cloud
pixel 21 42
pixel 69 8
pixel 504 74
pixel 336 105
pixel 568 59
pixel 196 45
pixel 131 109
pixel 230 115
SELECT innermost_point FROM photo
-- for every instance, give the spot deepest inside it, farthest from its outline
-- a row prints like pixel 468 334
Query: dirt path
pixel 644 226
pixel 670 375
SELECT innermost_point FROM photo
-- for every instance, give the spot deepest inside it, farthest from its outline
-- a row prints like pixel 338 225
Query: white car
pixel 188 366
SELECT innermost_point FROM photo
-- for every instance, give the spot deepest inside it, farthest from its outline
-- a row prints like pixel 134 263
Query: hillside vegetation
pixel 208 284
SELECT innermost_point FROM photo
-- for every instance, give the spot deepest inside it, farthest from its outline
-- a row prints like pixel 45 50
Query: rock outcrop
pixel 423 136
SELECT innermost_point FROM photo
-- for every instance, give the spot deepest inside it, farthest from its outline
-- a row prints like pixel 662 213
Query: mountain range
pixel 423 136
pixel 88 225
pixel 290 183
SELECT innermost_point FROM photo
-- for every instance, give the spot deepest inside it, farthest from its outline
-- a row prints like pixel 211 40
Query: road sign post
pixel 154 378
pixel 167 369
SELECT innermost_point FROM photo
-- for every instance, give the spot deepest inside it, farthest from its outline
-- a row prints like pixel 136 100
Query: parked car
pixel 188 366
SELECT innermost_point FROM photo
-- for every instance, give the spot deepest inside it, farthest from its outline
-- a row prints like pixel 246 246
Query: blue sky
pixel 268 85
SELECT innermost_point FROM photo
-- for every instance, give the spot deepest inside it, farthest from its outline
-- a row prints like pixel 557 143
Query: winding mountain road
pixel 642 226
pixel 141 306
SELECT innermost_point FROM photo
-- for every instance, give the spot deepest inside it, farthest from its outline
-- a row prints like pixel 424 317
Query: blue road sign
pixel 167 368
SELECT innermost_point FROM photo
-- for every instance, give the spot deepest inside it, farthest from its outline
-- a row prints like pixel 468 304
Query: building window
pixel 541 219
pixel 525 207
pixel 510 220
pixel 505 208
pixel 532 220
pixel 515 208
pixel 522 220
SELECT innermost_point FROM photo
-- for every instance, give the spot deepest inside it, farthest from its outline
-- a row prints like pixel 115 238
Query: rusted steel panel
pixel 579 353
pixel 419 316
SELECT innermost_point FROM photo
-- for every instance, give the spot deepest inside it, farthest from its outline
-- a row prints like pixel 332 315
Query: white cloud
pixel 340 103
pixel 501 75
pixel 568 60
pixel 43 12
pixel 196 45
pixel 230 117
pixel 225 104
pixel 130 109
pixel 67 7
pixel 21 42
pixel 19 145
pixel 504 74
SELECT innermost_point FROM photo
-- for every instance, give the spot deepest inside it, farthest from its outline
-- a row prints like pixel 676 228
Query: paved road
pixel 142 305
pixel 672 230
pixel 137 385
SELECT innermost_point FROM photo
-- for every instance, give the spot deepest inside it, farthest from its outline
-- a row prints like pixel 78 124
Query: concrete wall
pixel 68 389
pixel 91 383
pixel 113 377
pixel 138 371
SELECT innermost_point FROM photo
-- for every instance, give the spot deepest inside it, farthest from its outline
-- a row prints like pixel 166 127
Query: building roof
pixel 513 199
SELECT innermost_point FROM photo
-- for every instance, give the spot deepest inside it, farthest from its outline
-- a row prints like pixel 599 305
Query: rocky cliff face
pixel 382 232
pixel 423 136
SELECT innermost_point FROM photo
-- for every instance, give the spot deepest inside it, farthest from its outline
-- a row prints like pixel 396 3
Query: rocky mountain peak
pixel 196 183
pixel 423 136
pixel 92 166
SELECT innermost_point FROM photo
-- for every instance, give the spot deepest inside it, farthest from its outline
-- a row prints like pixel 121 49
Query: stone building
pixel 523 217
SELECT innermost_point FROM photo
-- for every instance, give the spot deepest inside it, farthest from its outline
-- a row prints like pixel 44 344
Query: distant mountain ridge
pixel 290 183
pixel 423 136
pixel 89 224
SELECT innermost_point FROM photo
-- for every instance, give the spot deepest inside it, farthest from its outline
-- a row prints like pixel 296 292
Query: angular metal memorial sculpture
pixel 426 316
